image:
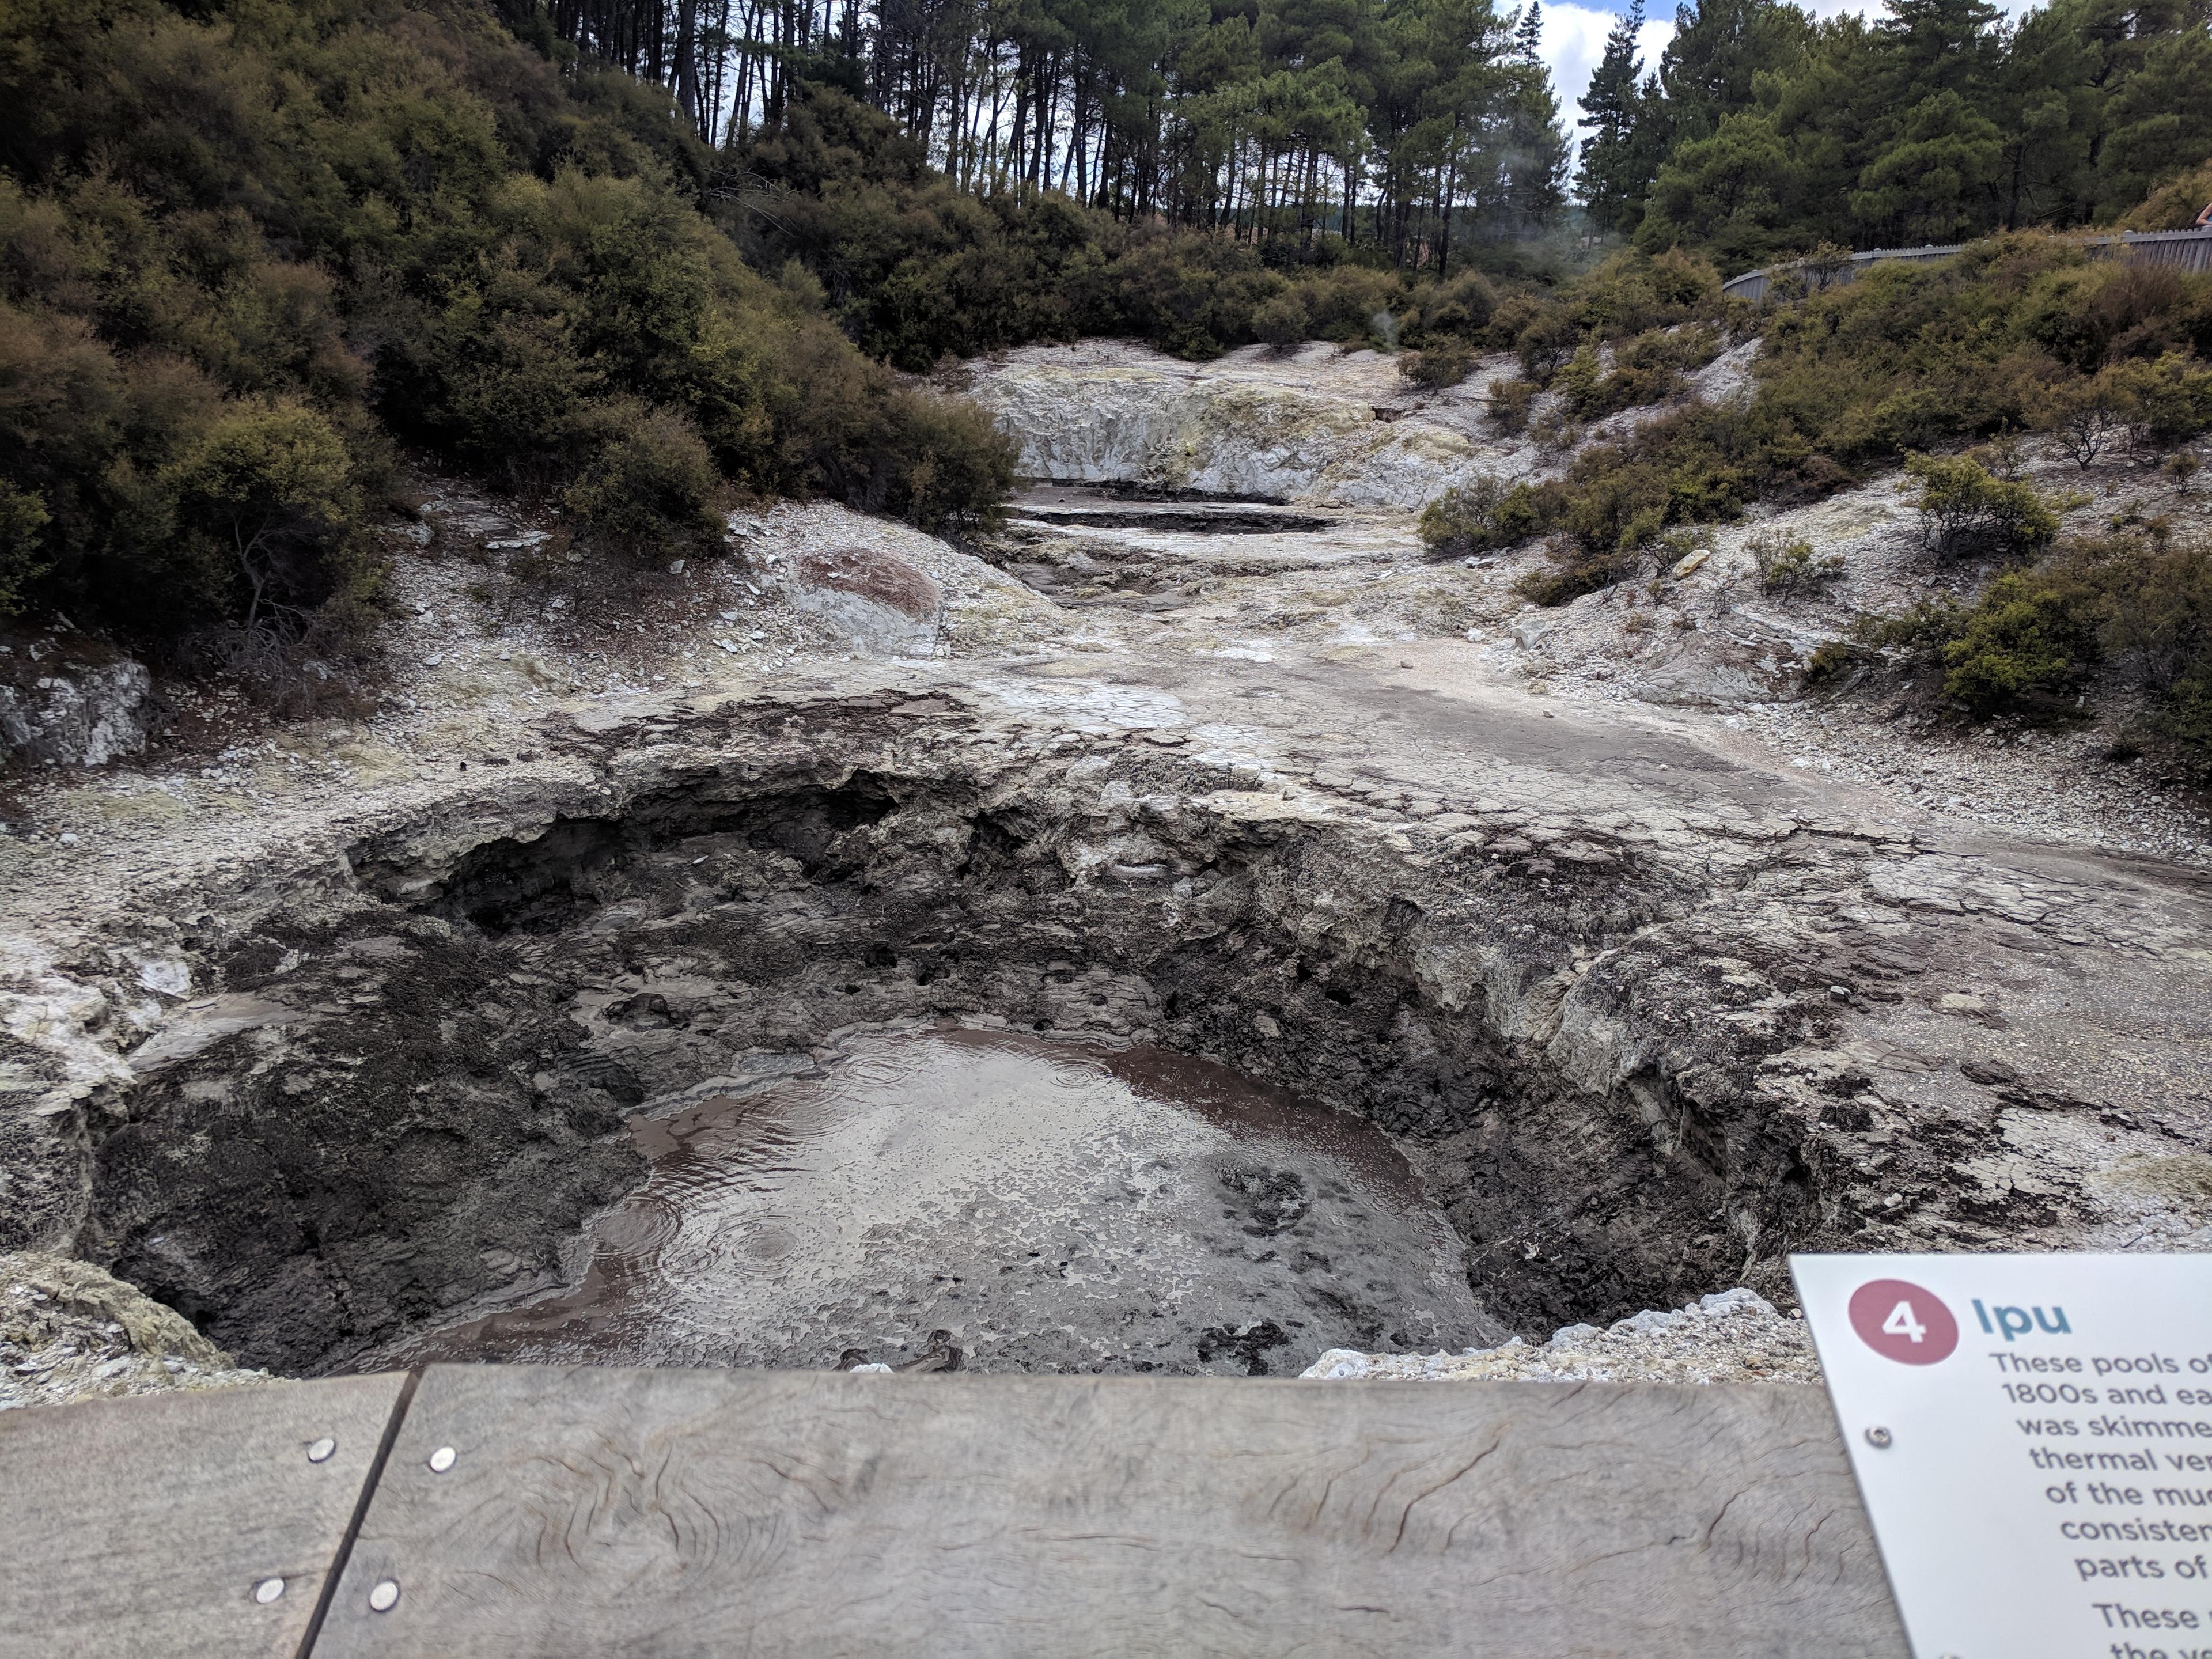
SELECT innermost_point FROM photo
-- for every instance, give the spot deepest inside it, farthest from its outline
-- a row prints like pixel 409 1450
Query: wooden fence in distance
pixel 2191 250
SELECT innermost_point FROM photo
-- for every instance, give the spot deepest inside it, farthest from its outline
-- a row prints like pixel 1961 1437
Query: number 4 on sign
pixel 1901 1323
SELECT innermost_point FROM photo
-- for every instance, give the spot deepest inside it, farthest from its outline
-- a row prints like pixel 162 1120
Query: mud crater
pixel 431 1092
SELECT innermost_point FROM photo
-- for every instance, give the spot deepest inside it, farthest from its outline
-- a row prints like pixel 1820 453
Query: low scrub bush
pixel 2028 635
pixel 650 493
pixel 1283 320
pixel 1645 370
pixel 1545 342
pixel 1481 516
pixel 2084 417
pixel 1432 368
pixel 2164 402
pixel 1922 628
pixel 2134 603
pixel 1788 564
pixel 1509 401
pixel 1576 570
pixel 2151 405
pixel 1459 308
pixel 1832 661
pixel 2157 626
pixel 1965 512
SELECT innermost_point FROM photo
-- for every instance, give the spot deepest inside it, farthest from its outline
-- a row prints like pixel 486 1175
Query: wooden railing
pixel 478 1510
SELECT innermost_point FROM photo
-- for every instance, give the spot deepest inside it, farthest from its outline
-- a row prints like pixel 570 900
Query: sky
pixel 1574 38
pixel 1574 41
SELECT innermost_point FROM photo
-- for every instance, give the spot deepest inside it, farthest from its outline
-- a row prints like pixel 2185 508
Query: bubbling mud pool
pixel 1002 1203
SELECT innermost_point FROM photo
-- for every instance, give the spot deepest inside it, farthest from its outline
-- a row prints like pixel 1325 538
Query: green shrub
pixel 1509 403
pixel 268 510
pixel 1547 344
pixel 1195 300
pixel 2164 402
pixel 1964 513
pixel 1282 321
pixel 1831 661
pixel 1576 570
pixel 1922 630
pixel 2030 633
pixel 1344 303
pixel 1441 364
pixel 1788 564
pixel 2158 593
pixel 954 469
pixel 1645 370
pixel 1460 306
pixel 2157 596
pixel 2142 603
pixel 2085 417
pixel 1480 516
pixel 22 516
pixel 650 492
pixel 1577 381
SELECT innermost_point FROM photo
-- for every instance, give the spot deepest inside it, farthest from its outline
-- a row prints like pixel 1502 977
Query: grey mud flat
pixel 1046 1206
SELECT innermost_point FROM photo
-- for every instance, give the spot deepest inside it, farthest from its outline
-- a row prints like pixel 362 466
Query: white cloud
pixel 1574 41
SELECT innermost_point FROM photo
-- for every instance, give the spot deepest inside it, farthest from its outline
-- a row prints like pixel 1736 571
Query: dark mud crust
pixel 478 1013
pixel 1210 521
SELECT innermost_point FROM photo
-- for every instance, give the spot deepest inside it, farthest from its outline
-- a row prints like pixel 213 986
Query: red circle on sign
pixel 1901 1322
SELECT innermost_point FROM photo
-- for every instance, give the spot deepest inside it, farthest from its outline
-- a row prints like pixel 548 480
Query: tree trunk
pixel 687 60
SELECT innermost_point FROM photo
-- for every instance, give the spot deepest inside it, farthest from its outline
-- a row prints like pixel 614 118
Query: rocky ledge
pixel 69 1331
pixel 1731 1336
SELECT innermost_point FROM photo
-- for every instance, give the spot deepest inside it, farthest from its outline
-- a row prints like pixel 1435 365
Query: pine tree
pixel 1607 179
pixel 1529 38
pixel 1719 49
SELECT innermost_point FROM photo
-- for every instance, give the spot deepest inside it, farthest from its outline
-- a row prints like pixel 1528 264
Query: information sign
pixel 2033 1436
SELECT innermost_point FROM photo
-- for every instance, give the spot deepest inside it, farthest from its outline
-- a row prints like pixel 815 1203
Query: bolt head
pixel 441 1460
pixel 1879 1437
pixel 321 1451
pixel 268 1591
pixel 384 1596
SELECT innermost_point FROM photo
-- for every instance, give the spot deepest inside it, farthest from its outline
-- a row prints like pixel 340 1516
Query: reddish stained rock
pixel 870 573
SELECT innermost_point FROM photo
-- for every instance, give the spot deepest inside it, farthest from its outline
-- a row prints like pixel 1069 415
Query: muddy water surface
pixel 1032 1205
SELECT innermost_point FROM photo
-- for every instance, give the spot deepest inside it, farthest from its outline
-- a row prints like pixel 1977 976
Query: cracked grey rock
pixel 81 714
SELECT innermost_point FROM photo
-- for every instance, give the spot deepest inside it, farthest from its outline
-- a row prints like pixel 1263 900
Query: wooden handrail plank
pixel 142 1527
pixel 692 1513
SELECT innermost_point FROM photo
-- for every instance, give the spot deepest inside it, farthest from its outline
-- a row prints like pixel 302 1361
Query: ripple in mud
pixel 1033 1207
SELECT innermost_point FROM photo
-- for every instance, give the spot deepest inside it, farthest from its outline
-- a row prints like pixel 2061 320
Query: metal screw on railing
pixel 268 1591
pixel 384 1596
pixel 1878 1436
pixel 321 1451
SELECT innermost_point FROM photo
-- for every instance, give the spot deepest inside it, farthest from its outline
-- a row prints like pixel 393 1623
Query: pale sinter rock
pixel 1732 1336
